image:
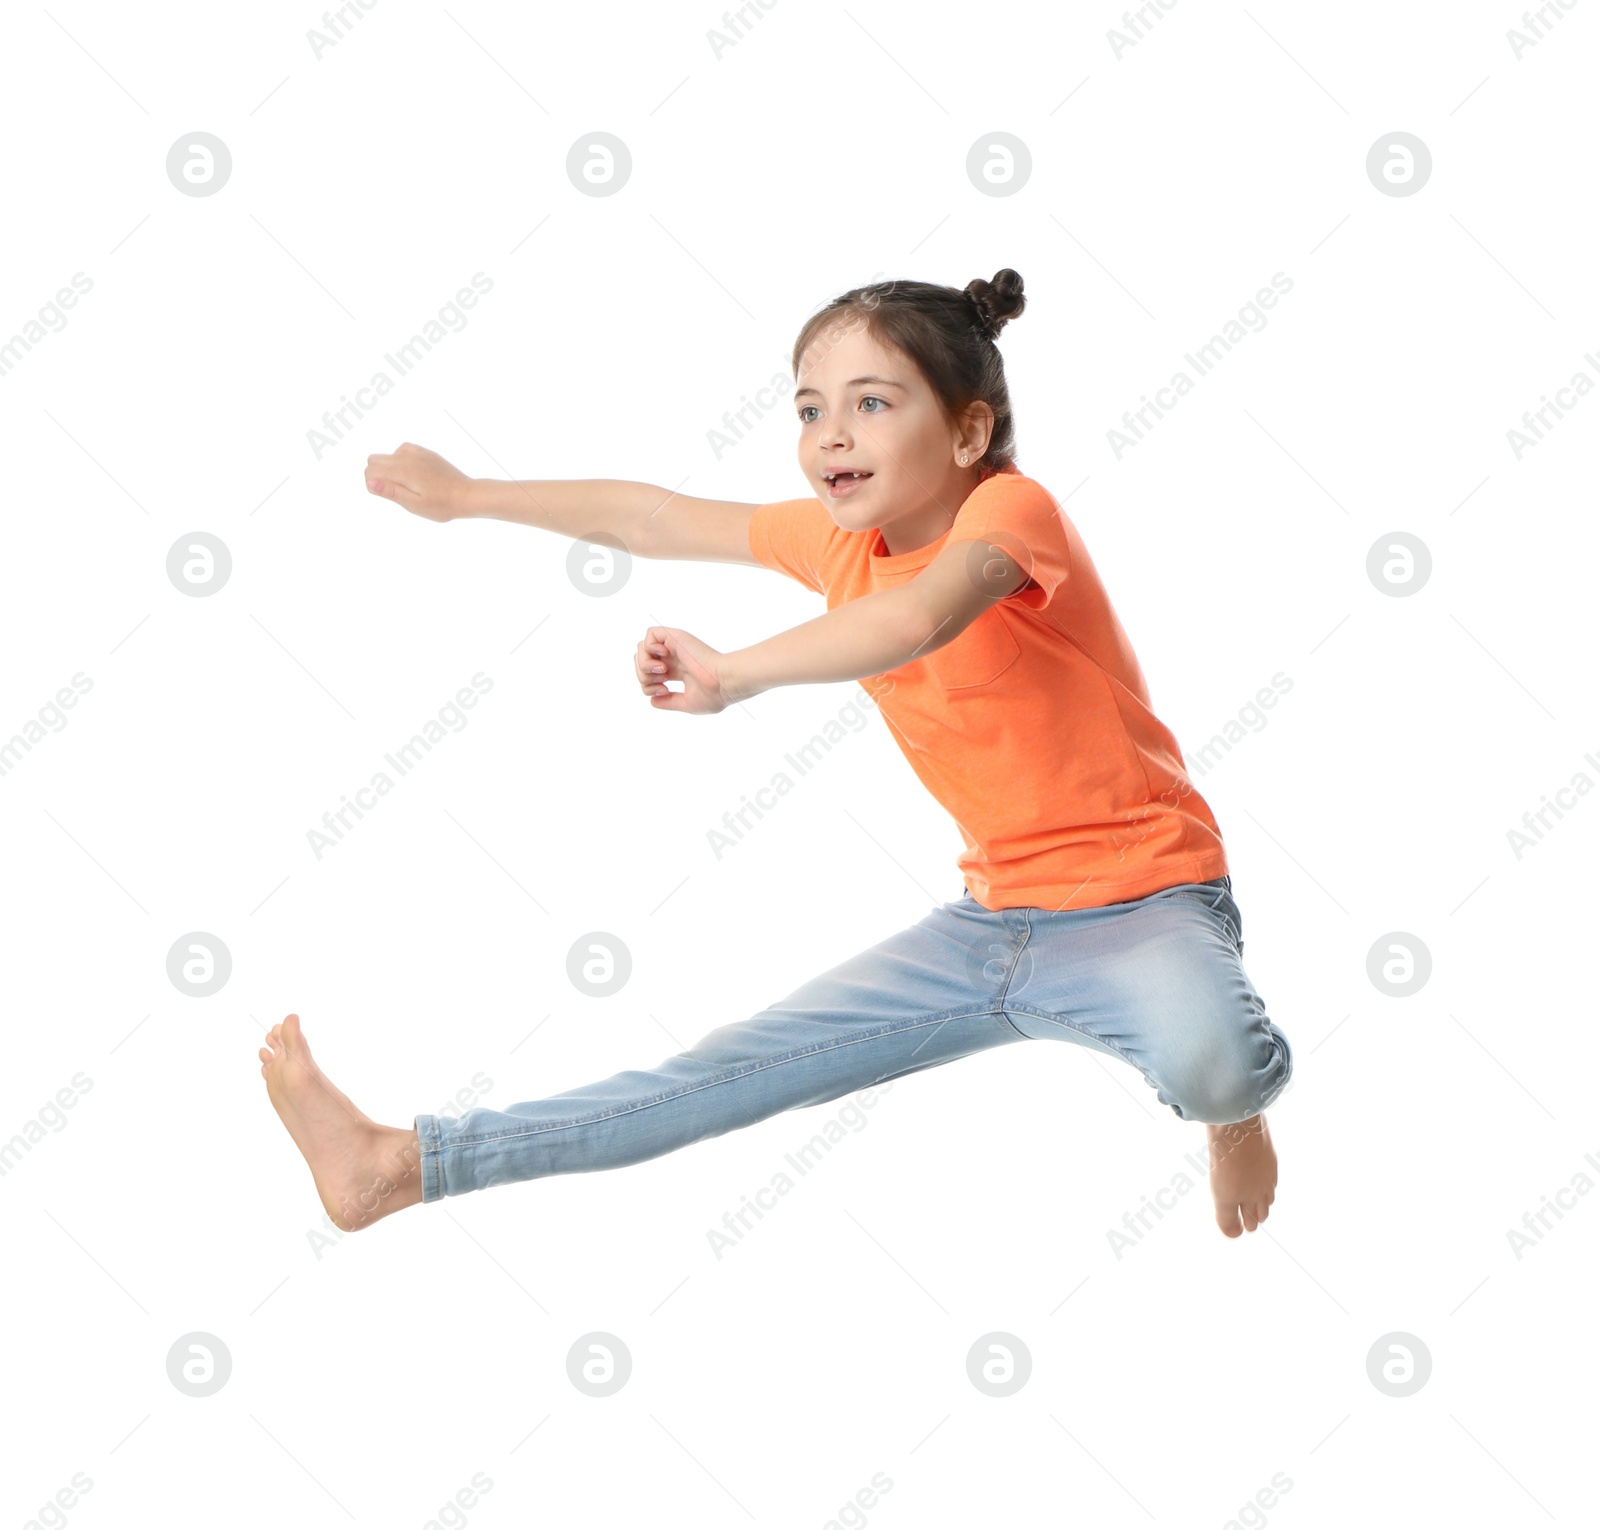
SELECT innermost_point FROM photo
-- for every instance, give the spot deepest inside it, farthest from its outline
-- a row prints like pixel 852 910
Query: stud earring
pixel 963 458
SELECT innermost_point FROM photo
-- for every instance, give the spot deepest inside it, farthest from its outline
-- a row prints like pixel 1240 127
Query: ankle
pixel 394 1174
pixel 1223 1138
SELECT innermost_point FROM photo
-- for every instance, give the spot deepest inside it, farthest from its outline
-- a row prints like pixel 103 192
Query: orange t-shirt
pixel 1033 728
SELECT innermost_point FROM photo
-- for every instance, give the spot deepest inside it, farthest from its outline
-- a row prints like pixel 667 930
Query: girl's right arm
pixel 650 522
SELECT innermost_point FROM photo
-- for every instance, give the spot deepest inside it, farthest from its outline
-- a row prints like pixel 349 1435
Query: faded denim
pixel 1158 982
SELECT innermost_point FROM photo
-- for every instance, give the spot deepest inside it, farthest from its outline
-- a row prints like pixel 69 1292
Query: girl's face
pixel 867 409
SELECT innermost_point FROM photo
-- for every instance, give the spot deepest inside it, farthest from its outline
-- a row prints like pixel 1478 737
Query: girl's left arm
pixel 867 636
pixel 862 637
pixel 886 629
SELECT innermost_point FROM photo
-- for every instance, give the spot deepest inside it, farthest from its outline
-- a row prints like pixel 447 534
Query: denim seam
pixel 1027 933
pixel 431 1163
pixel 675 1094
pixel 1127 1057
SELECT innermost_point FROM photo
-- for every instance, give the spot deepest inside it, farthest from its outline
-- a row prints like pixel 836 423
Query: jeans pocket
pixel 1228 911
pixel 1215 898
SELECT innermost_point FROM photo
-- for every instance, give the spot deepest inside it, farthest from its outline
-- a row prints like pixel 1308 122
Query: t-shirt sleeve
pixel 1020 516
pixel 791 536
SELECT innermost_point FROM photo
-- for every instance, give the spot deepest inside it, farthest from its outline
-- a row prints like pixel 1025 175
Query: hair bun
pixel 996 302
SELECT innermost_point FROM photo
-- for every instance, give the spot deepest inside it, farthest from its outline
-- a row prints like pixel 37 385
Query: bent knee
pixel 1231 1081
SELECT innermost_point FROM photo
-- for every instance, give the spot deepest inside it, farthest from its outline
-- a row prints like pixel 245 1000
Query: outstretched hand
pixel 666 653
pixel 419 481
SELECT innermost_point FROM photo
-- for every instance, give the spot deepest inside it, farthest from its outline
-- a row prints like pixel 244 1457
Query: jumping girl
pixel 1099 909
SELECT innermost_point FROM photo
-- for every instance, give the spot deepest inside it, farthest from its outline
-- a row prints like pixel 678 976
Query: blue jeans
pixel 1157 982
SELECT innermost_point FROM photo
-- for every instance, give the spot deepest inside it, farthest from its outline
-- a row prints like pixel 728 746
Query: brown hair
pixel 949 333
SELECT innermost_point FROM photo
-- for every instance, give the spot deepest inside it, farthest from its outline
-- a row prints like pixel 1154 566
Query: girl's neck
pixel 913 533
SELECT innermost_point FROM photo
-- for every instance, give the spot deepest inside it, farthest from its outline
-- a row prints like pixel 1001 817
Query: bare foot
pixel 362 1170
pixel 1244 1173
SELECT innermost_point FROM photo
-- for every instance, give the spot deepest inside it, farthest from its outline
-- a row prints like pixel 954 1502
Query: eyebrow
pixel 889 381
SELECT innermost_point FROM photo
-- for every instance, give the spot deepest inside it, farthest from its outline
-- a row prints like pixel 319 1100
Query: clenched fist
pixel 669 654
pixel 419 481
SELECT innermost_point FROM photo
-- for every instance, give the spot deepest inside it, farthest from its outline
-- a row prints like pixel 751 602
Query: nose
pixel 833 434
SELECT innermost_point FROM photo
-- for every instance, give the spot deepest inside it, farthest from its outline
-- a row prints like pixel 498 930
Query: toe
pixel 265 1054
pixel 1251 1220
pixel 1228 1221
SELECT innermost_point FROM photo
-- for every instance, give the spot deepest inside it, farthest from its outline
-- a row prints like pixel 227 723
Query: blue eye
pixel 870 397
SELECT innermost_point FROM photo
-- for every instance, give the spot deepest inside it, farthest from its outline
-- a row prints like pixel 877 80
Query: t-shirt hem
pixel 1100 893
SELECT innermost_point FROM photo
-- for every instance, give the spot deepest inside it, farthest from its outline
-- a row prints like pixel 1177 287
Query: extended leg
pixel 911 1002
pixel 922 997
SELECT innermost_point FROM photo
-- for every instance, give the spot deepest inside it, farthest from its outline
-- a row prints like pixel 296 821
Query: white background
pixel 371 1381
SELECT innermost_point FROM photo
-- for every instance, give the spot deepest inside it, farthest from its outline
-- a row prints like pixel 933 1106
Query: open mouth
pixel 845 481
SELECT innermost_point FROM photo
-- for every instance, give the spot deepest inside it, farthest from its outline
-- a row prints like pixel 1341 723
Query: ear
pixel 975 425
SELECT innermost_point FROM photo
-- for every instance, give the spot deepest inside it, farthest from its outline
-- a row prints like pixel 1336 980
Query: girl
pixel 1098 910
